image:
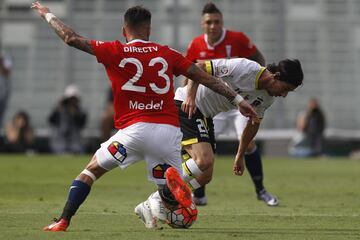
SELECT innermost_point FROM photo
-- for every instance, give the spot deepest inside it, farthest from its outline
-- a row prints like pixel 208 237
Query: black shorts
pixel 197 129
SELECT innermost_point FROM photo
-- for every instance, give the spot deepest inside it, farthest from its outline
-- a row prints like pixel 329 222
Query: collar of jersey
pixel 137 40
pixel 218 42
pixel 262 69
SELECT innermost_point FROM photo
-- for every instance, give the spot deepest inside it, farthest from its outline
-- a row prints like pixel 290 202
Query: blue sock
pixel 77 195
pixel 254 166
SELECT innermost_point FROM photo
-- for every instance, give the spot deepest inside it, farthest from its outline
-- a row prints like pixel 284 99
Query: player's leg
pixel 198 145
pixel 253 162
pixel 166 144
pixel 221 123
pixel 198 168
pixel 163 158
pixel 111 154
pixel 78 192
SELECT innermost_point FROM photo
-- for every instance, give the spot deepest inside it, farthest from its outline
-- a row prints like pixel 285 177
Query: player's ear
pixel 277 75
pixel 124 32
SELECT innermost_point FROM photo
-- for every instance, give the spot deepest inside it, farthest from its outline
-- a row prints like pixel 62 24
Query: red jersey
pixel 231 44
pixel 141 76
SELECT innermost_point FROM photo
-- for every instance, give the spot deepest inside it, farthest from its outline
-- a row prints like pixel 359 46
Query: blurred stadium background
pixel 323 34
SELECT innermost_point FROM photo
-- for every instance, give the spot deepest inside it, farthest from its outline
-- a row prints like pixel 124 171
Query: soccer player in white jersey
pixel 141 75
pixel 257 84
pixel 218 42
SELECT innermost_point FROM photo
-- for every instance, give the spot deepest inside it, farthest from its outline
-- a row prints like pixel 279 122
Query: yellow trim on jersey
pixel 262 69
pixel 209 67
pixel 189 141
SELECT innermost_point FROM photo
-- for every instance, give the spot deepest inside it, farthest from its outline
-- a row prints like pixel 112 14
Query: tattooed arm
pixel 215 84
pixel 68 35
pixel 218 85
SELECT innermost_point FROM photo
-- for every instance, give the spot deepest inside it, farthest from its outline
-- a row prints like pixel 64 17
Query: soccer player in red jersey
pixel 146 117
pixel 218 42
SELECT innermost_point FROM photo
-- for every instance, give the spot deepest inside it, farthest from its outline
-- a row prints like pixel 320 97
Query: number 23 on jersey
pixel 130 85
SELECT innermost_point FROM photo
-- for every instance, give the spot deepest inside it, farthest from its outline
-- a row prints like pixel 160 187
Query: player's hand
pixel 188 106
pixel 239 166
pixel 42 10
pixel 247 110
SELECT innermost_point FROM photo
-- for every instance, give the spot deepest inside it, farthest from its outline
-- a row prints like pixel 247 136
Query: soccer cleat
pixel 178 187
pixel 200 201
pixel 57 226
pixel 269 199
pixel 158 210
pixel 144 212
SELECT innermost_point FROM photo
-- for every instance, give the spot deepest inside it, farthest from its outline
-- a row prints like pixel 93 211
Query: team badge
pixel 118 151
pixel 159 170
pixel 222 70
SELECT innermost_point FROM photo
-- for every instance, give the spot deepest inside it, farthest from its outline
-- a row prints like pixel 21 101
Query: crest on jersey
pixel 222 70
pixel 202 54
pixel 257 102
pixel 159 170
pixel 118 151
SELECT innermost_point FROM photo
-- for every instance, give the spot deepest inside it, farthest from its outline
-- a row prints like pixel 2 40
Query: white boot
pixel 158 210
pixel 144 213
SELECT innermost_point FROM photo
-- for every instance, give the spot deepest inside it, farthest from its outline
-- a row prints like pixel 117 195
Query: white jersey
pixel 242 75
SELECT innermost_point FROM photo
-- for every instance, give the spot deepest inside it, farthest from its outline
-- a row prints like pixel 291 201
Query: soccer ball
pixel 182 217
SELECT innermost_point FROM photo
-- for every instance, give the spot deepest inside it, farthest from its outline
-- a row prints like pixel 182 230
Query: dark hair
pixel 290 71
pixel 137 16
pixel 210 8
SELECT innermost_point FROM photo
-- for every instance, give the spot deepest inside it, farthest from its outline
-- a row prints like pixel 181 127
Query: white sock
pixel 194 184
pixel 190 170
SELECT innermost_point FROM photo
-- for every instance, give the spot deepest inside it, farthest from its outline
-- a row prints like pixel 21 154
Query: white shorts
pixel 158 144
pixel 226 122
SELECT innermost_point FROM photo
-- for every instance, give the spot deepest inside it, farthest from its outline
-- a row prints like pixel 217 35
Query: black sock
pixel 254 166
pixel 167 196
pixel 77 195
pixel 200 192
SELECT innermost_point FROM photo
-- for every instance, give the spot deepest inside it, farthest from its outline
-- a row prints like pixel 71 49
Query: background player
pixel 145 113
pixel 255 83
pixel 218 42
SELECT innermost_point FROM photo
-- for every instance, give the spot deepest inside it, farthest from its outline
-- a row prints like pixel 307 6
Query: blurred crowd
pixel 66 122
pixel 68 119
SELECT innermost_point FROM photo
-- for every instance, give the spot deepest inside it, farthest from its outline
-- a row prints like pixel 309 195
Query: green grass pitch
pixel 319 199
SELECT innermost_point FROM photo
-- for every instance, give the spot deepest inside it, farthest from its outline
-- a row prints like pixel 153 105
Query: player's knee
pixel 205 178
pixel 205 161
pixel 251 147
pixel 92 172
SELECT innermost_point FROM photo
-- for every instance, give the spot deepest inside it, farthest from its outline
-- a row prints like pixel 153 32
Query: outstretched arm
pixel 68 35
pixel 218 86
pixel 248 134
pixel 215 84
pixel 188 104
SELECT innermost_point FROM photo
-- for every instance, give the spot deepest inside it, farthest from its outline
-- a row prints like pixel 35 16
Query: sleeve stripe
pixel 209 67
